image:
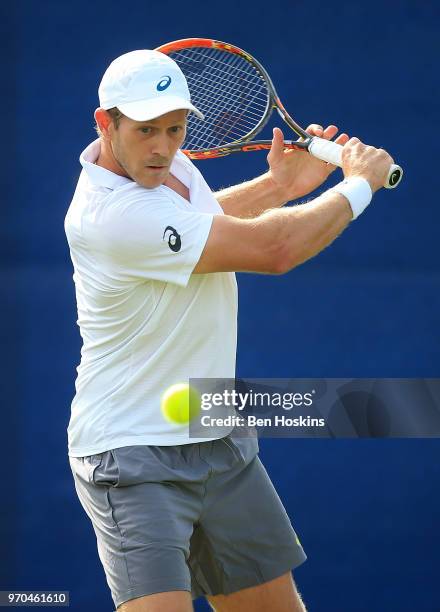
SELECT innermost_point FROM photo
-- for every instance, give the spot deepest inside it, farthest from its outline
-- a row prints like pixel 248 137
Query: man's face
pixel 145 149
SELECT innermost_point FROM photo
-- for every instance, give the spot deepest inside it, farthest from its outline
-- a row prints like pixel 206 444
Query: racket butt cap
pixel 394 176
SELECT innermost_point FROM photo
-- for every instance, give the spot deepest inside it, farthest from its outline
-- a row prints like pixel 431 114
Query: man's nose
pixel 160 145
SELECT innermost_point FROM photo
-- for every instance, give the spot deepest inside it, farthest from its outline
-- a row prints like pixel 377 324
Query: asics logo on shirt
pixel 174 241
pixel 163 83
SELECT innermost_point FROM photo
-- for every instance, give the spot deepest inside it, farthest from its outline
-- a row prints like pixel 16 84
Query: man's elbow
pixel 274 251
pixel 280 259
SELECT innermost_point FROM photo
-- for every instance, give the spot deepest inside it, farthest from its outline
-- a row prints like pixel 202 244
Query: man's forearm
pixel 277 240
pixel 299 233
pixel 250 199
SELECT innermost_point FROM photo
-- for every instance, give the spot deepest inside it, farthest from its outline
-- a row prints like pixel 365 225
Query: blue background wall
pixel 366 510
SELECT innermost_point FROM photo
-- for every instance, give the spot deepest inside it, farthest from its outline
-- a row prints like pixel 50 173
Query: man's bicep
pixel 235 245
pixel 154 240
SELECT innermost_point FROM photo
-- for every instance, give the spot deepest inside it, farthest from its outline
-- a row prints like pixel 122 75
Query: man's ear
pixel 103 121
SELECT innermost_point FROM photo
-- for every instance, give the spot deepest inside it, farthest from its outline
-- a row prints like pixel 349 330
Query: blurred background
pixel 366 510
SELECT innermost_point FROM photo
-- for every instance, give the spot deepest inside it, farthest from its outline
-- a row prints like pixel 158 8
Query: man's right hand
pixel 367 162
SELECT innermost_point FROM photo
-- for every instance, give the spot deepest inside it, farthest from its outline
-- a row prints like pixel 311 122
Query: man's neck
pixel 107 160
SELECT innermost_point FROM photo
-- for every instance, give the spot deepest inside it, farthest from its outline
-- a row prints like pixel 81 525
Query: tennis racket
pixel 236 95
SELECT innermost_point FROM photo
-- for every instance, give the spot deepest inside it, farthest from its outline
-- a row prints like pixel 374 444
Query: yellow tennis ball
pixel 180 403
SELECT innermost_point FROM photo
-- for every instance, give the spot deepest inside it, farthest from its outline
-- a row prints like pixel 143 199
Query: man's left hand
pixel 295 172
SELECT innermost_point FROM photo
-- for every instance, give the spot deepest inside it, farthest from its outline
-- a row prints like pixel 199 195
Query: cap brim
pixel 144 110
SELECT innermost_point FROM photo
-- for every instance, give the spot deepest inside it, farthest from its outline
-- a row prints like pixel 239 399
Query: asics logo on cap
pixel 163 83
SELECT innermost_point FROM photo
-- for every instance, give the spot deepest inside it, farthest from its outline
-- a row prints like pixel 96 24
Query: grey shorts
pixel 200 517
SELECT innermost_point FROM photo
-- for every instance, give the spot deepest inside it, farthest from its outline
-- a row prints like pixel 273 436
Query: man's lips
pixel 156 169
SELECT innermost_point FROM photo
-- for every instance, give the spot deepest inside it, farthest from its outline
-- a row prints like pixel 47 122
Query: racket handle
pixel 331 152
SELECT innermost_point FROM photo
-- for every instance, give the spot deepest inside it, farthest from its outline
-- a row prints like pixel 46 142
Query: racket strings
pixel 208 106
pixel 211 94
pixel 210 83
pixel 228 90
pixel 234 119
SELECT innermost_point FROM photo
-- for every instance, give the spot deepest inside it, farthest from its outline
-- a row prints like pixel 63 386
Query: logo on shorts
pixel 174 241
pixel 164 82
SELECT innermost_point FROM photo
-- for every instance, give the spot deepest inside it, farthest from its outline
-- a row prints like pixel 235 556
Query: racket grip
pixel 331 152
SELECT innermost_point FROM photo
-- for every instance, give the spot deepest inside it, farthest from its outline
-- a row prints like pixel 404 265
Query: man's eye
pixel 176 128
pixel 145 130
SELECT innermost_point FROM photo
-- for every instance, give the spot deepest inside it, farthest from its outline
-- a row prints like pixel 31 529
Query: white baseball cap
pixel 144 85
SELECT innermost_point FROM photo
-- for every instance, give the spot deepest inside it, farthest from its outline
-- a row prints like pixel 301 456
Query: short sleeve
pixel 150 237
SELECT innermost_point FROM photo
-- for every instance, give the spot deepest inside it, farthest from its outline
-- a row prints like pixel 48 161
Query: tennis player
pixel 154 254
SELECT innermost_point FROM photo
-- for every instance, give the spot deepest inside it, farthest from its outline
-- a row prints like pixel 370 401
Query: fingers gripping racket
pixel 237 97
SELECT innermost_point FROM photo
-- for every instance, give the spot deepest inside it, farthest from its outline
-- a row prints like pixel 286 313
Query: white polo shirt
pixel 145 320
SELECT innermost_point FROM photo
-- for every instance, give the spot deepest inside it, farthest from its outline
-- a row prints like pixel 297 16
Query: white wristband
pixel 358 192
